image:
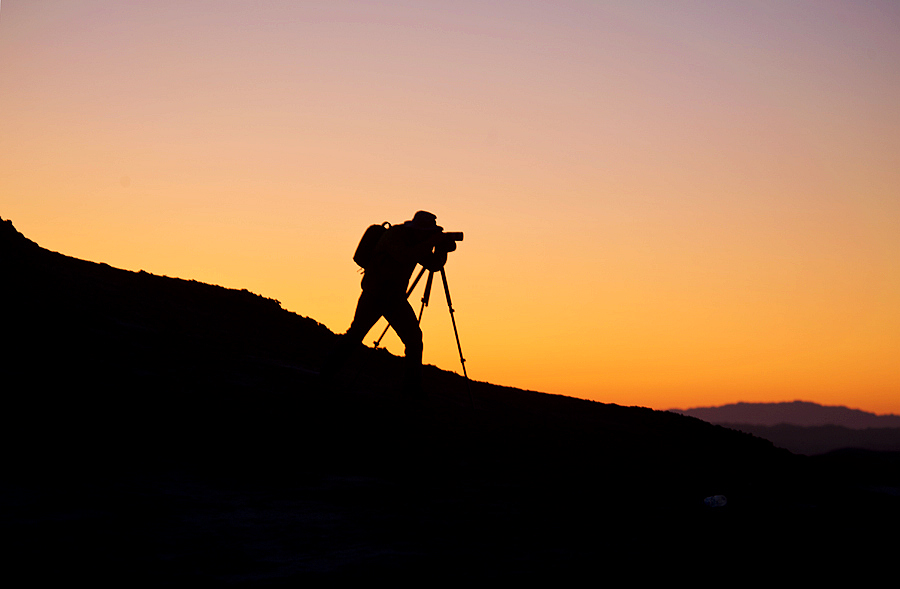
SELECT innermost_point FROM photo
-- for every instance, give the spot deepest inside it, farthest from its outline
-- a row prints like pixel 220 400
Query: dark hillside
pixel 169 429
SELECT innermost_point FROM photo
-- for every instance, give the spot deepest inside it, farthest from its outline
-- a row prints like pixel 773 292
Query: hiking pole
pixel 408 292
pixel 456 333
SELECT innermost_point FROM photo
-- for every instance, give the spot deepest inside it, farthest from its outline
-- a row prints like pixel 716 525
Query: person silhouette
pixel 384 285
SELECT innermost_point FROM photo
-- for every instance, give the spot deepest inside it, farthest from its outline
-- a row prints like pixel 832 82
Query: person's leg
pixel 404 321
pixel 367 314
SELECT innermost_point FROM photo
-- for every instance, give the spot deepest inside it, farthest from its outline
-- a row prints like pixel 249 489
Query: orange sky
pixel 666 204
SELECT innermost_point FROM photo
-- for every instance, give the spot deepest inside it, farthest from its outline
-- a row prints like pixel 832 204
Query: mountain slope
pixel 176 428
pixel 88 336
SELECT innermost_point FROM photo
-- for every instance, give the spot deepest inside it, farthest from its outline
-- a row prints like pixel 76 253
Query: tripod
pixel 425 298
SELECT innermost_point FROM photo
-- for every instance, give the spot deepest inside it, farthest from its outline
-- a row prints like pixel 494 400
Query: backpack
pixel 365 251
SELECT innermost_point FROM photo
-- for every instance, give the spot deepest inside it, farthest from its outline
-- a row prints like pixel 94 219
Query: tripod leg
pixel 415 282
pixel 426 296
pixel 456 333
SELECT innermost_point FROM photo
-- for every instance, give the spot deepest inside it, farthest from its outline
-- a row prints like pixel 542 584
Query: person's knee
pixel 414 343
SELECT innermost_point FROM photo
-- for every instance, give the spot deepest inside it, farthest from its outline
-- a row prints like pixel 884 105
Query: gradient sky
pixel 665 203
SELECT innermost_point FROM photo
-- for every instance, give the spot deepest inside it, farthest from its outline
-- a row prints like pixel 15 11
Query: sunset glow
pixel 666 204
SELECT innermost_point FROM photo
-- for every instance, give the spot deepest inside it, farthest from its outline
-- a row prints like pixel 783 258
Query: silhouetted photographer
pixel 388 255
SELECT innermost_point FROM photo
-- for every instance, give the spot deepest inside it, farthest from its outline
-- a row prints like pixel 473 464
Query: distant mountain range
pixel 800 413
pixel 806 428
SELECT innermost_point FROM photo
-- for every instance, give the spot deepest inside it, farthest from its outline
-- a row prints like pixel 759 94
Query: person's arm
pixel 418 253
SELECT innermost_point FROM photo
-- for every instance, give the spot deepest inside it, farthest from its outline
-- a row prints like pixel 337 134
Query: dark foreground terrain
pixel 171 431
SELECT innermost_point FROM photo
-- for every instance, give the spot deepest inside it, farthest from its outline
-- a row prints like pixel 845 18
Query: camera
pixel 448 241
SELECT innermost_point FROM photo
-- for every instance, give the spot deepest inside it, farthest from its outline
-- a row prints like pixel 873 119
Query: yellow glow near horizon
pixel 664 205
